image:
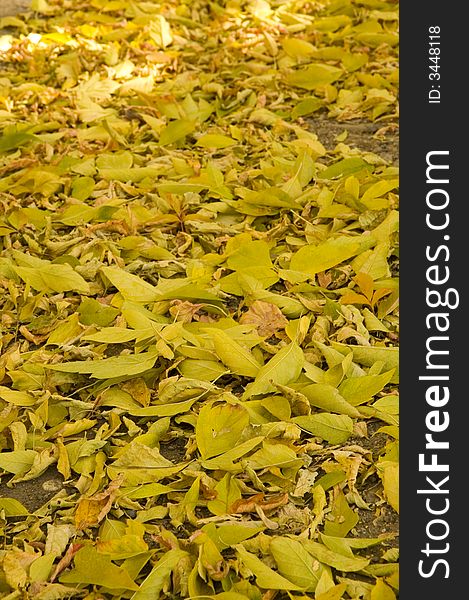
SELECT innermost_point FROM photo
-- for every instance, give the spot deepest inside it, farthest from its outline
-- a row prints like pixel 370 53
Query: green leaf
pixel 219 427
pixel 369 355
pixel 233 284
pixel 205 370
pixel 15 139
pixel 125 546
pixel 93 312
pixel 335 429
pixel 378 189
pixel 352 61
pixel 175 131
pixel 97 569
pixel 17 398
pixel 154 583
pixel 145 491
pixel 314 76
pixel 388 471
pixel 265 577
pixel 344 167
pixel 107 368
pixel 130 286
pixel 334 559
pixel 341 519
pixel 330 399
pixel 382 591
pixel 296 47
pixel 226 460
pixel 179 188
pixel 347 542
pixel 333 593
pixel 373 262
pixel 229 534
pixel 115 160
pixel 307 107
pixel 387 227
pixel 83 187
pixel 377 39
pixel 112 335
pixel 359 390
pixel 212 140
pixel 227 491
pixel 141 464
pixel 250 254
pixel 17 461
pixel 238 359
pixel 304 170
pixel 186 291
pixel 274 455
pixel 13 508
pixel 315 259
pixel 133 175
pixel 295 563
pixel 284 368
pixel 41 568
pixel 53 278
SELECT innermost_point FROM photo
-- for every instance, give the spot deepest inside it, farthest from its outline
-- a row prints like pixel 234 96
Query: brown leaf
pixel 91 511
pixel 218 571
pixel 34 339
pixel 266 317
pixel 208 493
pixel 115 226
pixel 248 505
pixel 66 559
pixel 138 389
pixel 184 311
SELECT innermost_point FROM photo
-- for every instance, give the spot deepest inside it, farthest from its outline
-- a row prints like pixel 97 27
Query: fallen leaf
pixel 91 511
pixel 266 317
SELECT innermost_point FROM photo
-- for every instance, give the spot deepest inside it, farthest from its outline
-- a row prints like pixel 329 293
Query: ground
pixel 199 271
pixel 13 7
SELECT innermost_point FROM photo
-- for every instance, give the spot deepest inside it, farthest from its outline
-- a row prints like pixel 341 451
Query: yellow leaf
pixel 298 48
pixel 333 593
pixel 212 140
pixel 314 76
pixel 389 473
pixel 381 591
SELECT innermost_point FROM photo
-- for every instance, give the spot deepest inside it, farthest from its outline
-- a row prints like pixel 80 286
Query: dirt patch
pixel 379 138
pixel 174 449
pixel 382 519
pixel 33 494
pixel 374 441
pixel 13 7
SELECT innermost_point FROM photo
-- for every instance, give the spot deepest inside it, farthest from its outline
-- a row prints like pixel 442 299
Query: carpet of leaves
pixel 199 301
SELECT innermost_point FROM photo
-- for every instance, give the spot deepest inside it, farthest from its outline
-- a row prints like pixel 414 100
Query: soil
pixel 382 519
pixel 380 138
pixel 9 8
pixel 174 450
pixel 33 494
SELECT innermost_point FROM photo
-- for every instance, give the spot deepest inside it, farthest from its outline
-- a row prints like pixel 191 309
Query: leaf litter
pixel 199 301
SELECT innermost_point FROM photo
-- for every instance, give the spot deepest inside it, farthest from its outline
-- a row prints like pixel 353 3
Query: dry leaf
pixel 266 317
pixel 91 511
pixel 248 505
